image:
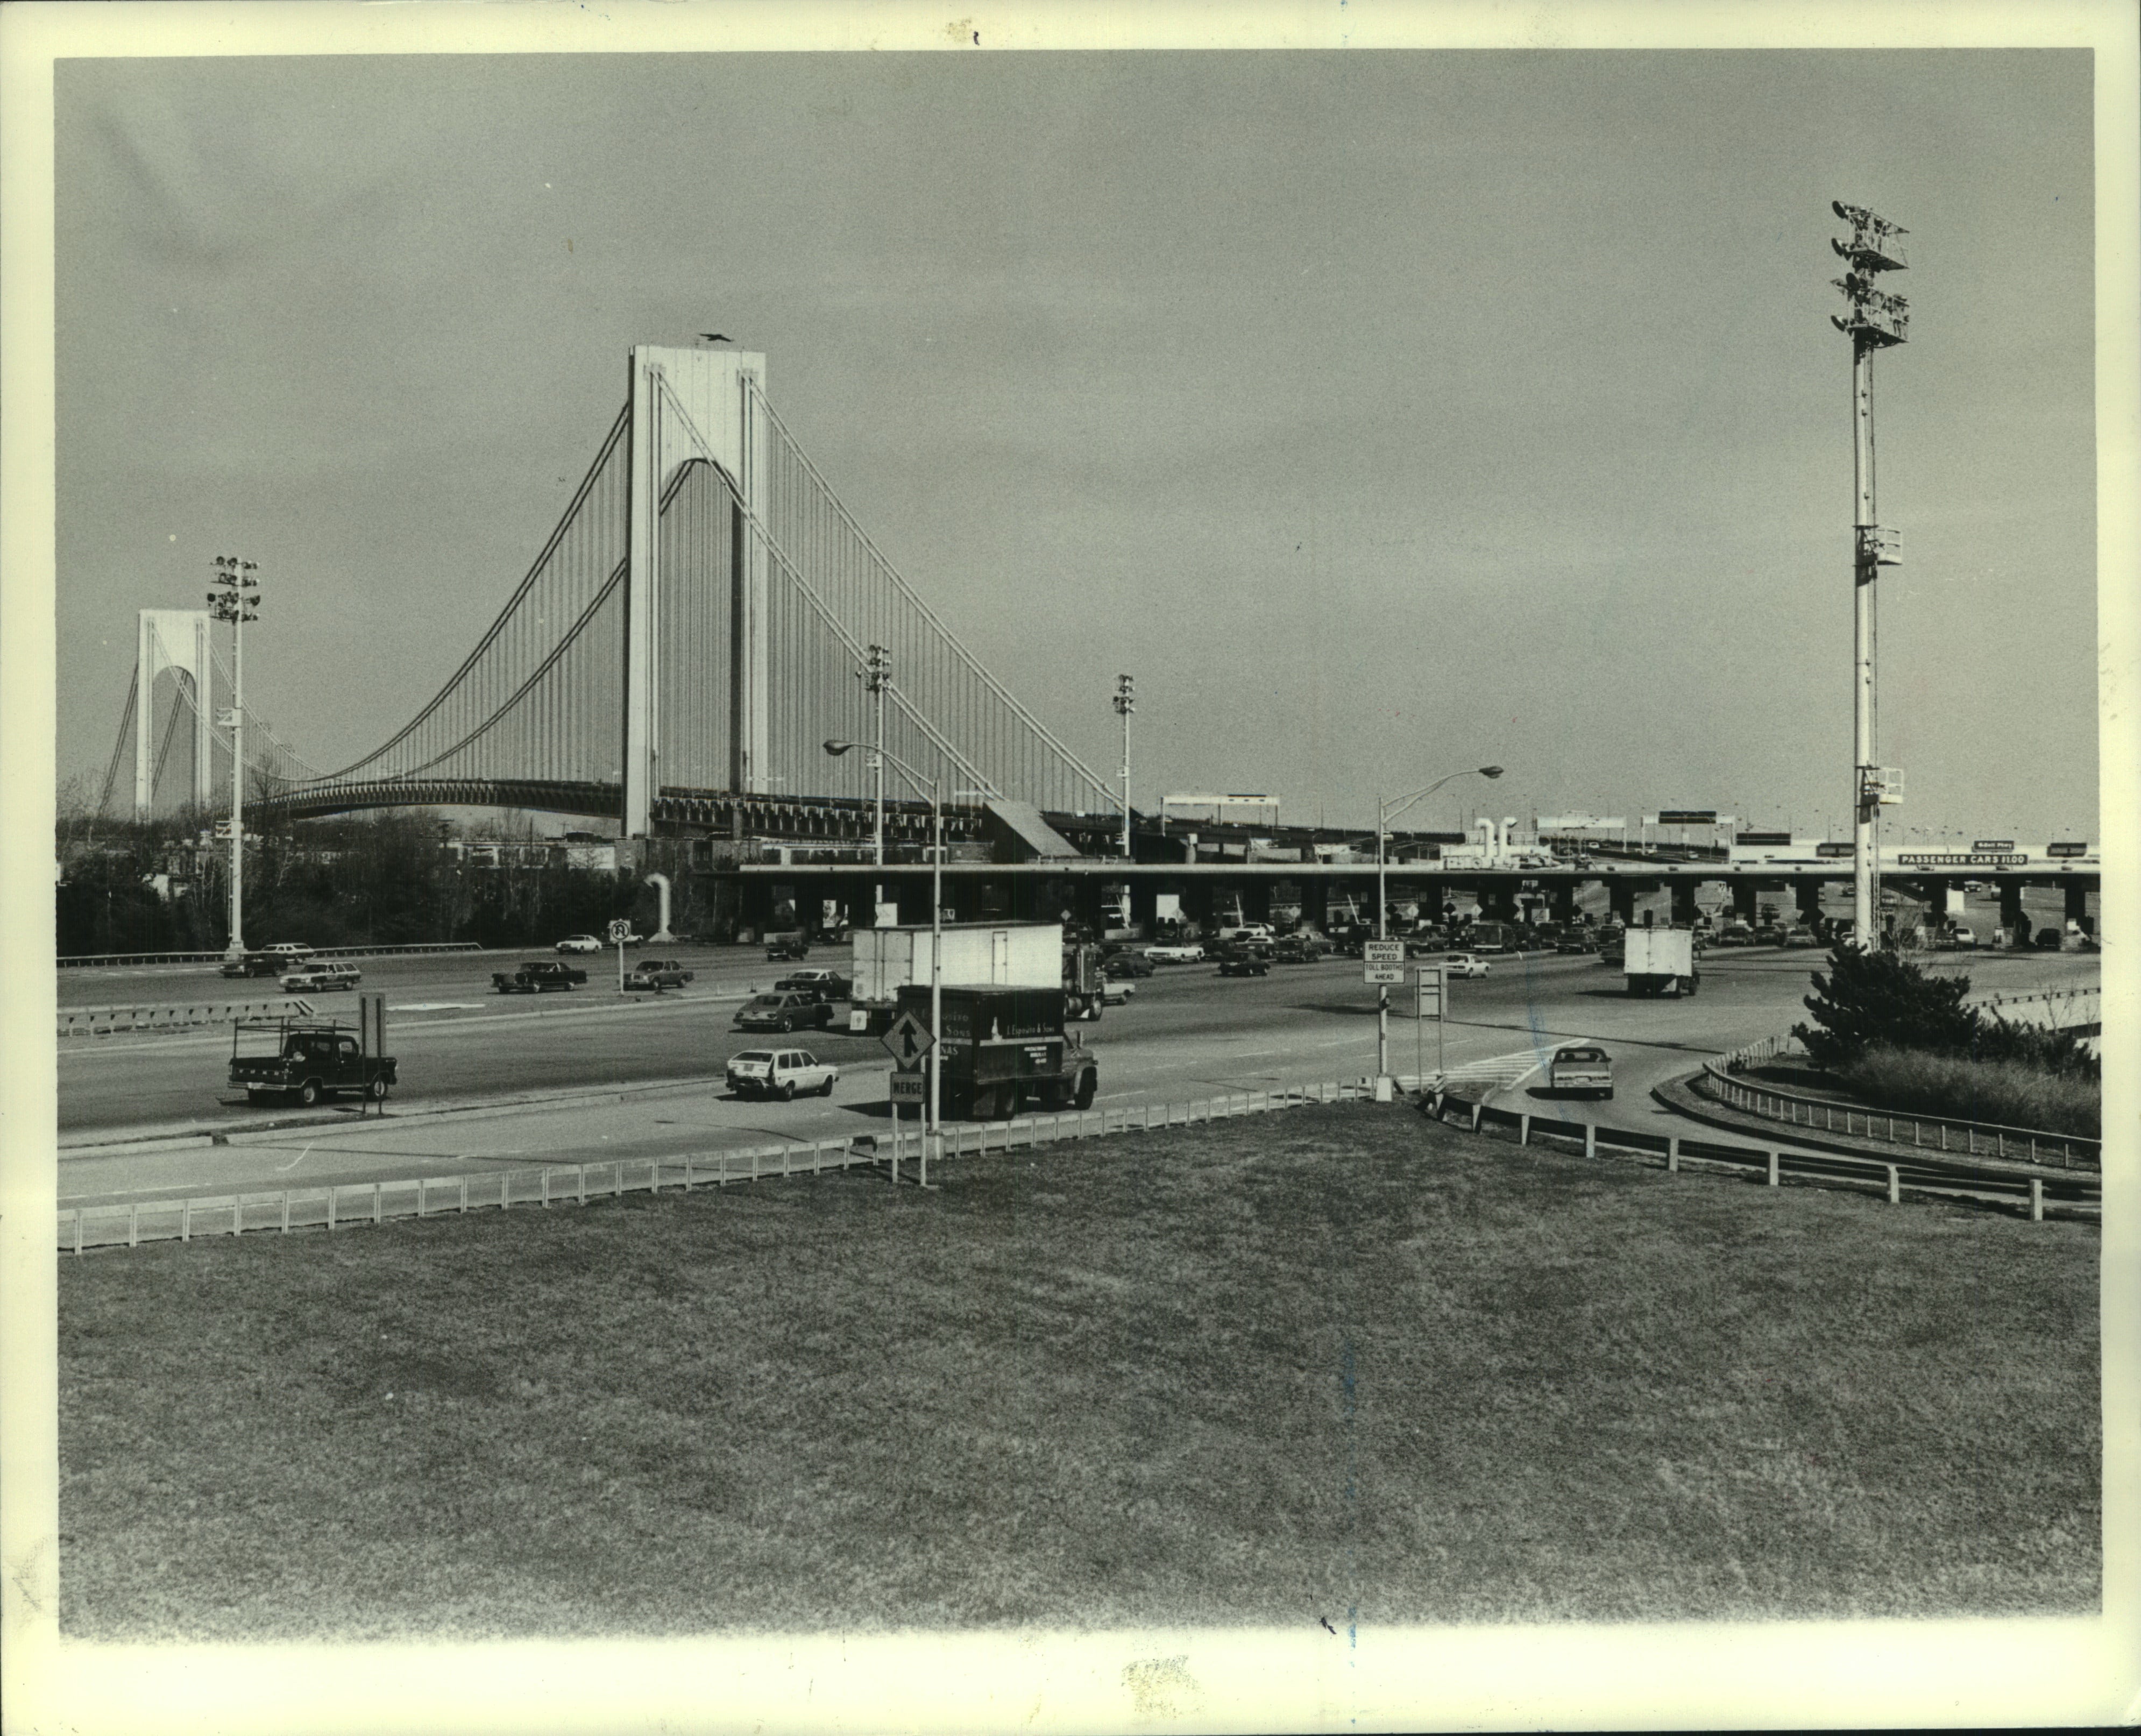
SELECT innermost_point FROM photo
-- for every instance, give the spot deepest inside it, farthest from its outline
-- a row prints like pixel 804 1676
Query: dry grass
pixel 1334 1363
pixel 2012 1094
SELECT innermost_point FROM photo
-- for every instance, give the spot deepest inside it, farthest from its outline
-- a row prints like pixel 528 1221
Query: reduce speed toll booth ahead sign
pixel 1385 961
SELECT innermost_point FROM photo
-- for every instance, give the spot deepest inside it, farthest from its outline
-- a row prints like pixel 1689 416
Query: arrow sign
pixel 908 1041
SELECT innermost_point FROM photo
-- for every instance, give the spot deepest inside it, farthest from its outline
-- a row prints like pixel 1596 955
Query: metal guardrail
pixel 86 961
pixel 1924 1174
pixel 104 1021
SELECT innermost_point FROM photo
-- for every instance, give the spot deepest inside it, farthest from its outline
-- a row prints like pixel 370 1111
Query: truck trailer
pixel 1659 962
pixel 995 955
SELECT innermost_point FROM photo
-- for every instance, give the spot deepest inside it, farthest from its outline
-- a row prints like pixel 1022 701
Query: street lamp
pixel 232 600
pixel 1385 812
pixel 1125 703
pixel 879 679
pixel 930 1126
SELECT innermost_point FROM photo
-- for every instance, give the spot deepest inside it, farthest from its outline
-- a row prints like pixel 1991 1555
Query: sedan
pixel 326 973
pixel 580 943
pixel 826 984
pixel 1581 1067
pixel 1244 963
pixel 658 974
pixel 1127 964
pixel 784 1012
pixel 1466 964
pixel 1115 992
pixel 780 1073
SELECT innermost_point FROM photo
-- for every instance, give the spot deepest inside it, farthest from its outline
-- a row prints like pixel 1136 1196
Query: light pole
pixel 1125 703
pixel 879 678
pixel 1385 812
pixel 231 601
pixel 1873 321
pixel 930 1126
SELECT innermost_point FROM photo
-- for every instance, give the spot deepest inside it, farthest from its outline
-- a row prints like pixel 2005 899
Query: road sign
pixel 1382 952
pixel 620 931
pixel 2066 849
pixel 1428 987
pixel 1685 817
pixel 223 829
pixel 1832 850
pixel 908 1041
pixel 1994 843
pixel 1383 973
pixel 909 1087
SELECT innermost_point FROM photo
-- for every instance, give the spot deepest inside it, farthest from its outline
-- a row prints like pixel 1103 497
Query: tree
pixel 1874 996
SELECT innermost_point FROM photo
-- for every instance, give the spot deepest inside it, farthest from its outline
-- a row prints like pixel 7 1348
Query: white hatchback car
pixel 780 1073
pixel 1466 964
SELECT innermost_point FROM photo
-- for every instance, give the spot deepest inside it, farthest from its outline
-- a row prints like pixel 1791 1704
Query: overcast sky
pixel 1382 413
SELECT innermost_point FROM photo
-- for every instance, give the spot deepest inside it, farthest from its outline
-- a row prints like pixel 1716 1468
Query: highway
pixel 1189 1033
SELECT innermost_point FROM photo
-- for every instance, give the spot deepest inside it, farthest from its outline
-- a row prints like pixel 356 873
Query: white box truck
pixel 1659 962
pixel 994 955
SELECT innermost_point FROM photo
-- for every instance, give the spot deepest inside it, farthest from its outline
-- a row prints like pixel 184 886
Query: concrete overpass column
pixel 2010 907
pixel 1499 900
pixel 2077 906
pixel 1807 895
pixel 1947 901
pixel 1621 899
pixel 1563 901
pixel 1683 902
pixel 1746 900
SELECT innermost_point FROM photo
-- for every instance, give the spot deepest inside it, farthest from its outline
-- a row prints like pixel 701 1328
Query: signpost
pixel 1429 983
pixel 620 931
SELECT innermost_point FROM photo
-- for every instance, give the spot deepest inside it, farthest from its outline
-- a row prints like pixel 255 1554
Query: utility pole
pixel 880 678
pixel 1125 703
pixel 231 601
pixel 1873 321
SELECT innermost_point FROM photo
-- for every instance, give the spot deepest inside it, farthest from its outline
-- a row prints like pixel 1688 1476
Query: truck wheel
pixel 376 1089
pixel 309 1093
pixel 1088 1083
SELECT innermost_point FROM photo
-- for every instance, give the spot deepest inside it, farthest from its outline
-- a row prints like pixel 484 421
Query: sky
pixel 1382 413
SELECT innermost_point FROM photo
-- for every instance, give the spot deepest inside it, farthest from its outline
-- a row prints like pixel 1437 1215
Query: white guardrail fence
pixel 345 1205
pixel 86 960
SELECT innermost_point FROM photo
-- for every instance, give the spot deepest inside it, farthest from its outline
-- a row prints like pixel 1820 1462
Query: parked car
pixel 826 984
pixel 783 948
pixel 538 977
pixel 580 943
pixel 1466 964
pixel 1581 1067
pixel 658 974
pixel 781 1072
pixel 320 974
pixel 1127 964
pixel 790 1010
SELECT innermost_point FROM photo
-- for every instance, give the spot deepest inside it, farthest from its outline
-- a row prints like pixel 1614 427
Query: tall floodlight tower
pixel 1125 703
pixel 879 677
pixel 233 600
pixel 1873 320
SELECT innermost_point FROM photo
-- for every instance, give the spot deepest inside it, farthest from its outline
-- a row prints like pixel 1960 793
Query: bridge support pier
pixel 1499 901
pixel 1561 902
pixel 1683 902
pixel 1746 900
pixel 1808 895
pixel 1620 900
pixel 2012 917
pixel 2077 907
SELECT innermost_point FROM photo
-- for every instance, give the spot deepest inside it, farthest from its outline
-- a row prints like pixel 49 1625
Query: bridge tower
pixel 176 640
pixel 690 405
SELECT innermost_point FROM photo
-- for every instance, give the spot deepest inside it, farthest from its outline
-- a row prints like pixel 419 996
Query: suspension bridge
pixel 695 626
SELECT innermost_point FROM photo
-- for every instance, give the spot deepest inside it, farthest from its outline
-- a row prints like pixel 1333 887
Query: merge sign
pixel 1382 952
pixel 908 1087
pixel 908 1041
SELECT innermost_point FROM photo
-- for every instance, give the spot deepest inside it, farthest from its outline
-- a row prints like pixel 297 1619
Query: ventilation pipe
pixel 662 936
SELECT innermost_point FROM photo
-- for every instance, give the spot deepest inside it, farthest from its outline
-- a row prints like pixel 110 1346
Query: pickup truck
pixel 308 1059
pixel 658 974
pixel 537 975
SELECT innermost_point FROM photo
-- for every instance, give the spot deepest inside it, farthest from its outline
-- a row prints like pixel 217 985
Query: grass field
pixel 1333 1363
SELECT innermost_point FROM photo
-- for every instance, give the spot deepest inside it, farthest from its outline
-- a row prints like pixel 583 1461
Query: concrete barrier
pixel 104 1021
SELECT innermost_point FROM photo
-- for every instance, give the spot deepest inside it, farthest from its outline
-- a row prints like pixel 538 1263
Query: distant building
pixel 1233 809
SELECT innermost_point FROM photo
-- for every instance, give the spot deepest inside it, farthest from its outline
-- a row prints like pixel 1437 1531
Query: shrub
pixel 1875 997
pixel 2011 1093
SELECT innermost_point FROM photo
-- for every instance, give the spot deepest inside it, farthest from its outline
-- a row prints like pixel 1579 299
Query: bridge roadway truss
pixel 692 632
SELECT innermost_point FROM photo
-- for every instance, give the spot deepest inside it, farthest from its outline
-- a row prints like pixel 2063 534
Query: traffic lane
pixel 427 975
